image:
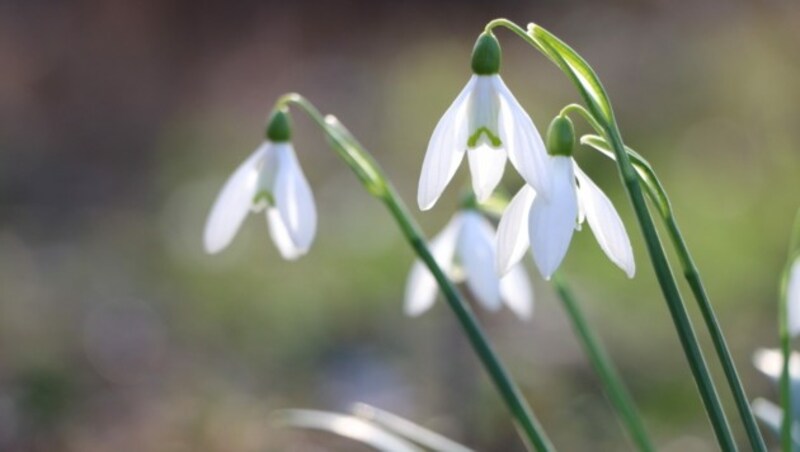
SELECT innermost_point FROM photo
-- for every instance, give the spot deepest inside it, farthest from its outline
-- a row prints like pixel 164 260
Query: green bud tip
pixel 560 137
pixel 486 55
pixel 279 128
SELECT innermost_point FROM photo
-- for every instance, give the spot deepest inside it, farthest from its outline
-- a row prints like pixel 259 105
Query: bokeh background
pixel 120 120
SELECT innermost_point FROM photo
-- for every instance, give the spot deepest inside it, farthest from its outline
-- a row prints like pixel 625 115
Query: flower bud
pixel 486 55
pixel 560 137
pixel 279 128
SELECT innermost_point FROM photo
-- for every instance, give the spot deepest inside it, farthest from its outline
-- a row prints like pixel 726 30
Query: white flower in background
pixel 547 224
pixel 487 123
pixel 465 252
pixel 770 363
pixel 269 181
pixel 793 298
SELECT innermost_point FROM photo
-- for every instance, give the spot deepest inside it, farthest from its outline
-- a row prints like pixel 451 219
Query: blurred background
pixel 120 121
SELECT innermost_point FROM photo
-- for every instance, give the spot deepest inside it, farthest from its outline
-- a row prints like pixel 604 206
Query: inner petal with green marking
pixel 484 135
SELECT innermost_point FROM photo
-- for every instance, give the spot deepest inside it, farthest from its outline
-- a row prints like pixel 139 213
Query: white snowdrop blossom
pixel 465 250
pixel 793 298
pixel 488 124
pixel 770 363
pixel 547 224
pixel 269 181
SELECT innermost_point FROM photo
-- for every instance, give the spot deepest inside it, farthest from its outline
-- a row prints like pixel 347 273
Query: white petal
pixel 486 165
pixel 516 290
pixel 522 141
pixel 768 413
pixel 770 363
pixel 552 220
pixel 280 235
pixel 475 249
pixel 605 223
pixel 293 198
pixel 445 150
pixel 233 202
pixel 512 232
pixel 421 287
pixel 793 298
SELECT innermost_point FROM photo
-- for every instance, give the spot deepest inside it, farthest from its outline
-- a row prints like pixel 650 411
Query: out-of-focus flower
pixel 464 249
pixel 793 298
pixel 770 363
pixel 269 181
pixel 547 223
pixel 487 123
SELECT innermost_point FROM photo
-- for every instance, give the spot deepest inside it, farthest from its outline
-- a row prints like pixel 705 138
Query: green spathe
pixel 560 137
pixel 486 55
pixel 279 128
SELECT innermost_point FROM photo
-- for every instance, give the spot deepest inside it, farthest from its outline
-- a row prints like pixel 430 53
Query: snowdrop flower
pixel 487 123
pixel 465 251
pixel 269 181
pixel 770 363
pixel 793 298
pixel 547 223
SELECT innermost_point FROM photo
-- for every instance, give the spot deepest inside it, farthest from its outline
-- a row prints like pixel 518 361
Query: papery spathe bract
pixel 465 250
pixel 269 181
pixel 488 124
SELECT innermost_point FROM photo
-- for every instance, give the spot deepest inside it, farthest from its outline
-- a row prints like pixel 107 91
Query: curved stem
pixel 786 342
pixel 595 97
pixel 658 196
pixel 373 178
pixel 615 389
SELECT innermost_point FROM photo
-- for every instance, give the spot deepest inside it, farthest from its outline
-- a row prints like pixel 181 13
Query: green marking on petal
pixel 475 137
pixel 263 197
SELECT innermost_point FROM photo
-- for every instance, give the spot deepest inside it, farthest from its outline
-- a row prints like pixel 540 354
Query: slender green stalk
pixel 786 341
pixel 373 178
pixel 658 196
pixel 615 389
pixel 785 381
pixel 596 99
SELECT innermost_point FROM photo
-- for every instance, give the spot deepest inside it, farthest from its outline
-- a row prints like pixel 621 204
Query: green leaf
pixel 578 70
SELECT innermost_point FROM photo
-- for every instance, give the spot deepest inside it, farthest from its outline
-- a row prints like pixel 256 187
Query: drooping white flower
pixel 465 250
pixel 269 181
pixel 488 124
pixel 547 224
pixel 793 298
pixel 770 363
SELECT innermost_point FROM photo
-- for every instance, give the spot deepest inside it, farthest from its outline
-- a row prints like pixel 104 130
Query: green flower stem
pixel 785 381
pixel 374 180
pixel 596 99
pixel 615 389
pixel 658 196
pixel 786 341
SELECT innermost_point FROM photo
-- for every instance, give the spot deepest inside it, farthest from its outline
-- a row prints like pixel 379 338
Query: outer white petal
pixel 516 290
pixel 486 165
pixel 475 249
pixel 445 150
pixel 512 232
pixel 421 287
pixel 768 413
pixel 525 147
pixel 605 223
pixel 280 235
pixel 793 298
pixel 293 198
pixel 233 202
pixel 552 220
